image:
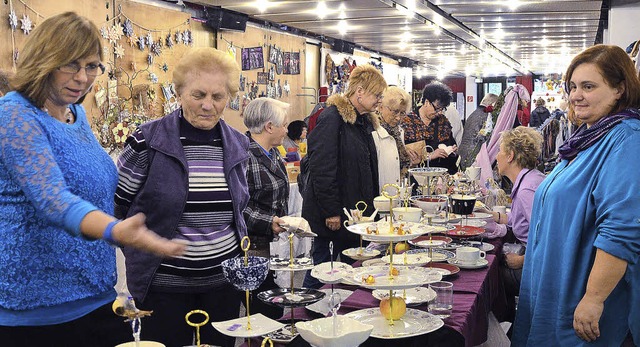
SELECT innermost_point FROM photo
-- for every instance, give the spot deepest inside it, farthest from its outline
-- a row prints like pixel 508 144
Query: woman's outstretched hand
pixel 133 232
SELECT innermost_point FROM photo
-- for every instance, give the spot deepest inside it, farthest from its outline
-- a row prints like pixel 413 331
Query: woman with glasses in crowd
pixel 393 158
pixel 57 266
pixel 429 123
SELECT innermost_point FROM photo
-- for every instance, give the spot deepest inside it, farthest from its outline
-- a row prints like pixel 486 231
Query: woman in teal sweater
pixel 56 197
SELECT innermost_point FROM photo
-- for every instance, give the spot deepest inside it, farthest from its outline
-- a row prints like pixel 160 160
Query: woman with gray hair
pixel 267 178
pixel 471 137
pixel 268 183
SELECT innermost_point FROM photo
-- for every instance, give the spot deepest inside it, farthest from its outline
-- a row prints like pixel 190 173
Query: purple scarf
pixel 585 137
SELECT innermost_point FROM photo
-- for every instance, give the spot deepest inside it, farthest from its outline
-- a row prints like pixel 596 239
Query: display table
pixel 476 293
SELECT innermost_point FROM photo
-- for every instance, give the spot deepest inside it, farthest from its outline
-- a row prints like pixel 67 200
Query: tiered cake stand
pixel 291 297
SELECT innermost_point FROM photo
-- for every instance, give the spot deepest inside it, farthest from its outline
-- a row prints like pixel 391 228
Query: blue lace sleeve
pixel 30 168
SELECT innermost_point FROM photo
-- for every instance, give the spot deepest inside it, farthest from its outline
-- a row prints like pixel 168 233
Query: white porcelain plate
pixel 478 265
pixel 407 259
pixel 412 296
pixel 283 264
pixel 326 274
pixel 413 323
pixel 380 231
pixel 260 325
pixel 479 215
pixel 359 253
pixel 408 277
pixel 483 246
pixel 436 255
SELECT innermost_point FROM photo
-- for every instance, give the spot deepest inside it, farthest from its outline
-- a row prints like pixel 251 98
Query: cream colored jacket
pixel 388 157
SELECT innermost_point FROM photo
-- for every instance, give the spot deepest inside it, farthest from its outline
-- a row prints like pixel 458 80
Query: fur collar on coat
pixel 348 112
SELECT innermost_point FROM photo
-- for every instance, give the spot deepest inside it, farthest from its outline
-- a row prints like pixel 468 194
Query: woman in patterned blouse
pixel 428 123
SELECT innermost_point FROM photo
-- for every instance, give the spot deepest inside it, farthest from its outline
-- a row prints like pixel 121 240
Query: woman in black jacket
pixel 343 165
pixel 539 115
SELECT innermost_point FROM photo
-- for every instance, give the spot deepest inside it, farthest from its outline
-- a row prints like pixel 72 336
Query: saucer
pixel 478 265
pixel 358 253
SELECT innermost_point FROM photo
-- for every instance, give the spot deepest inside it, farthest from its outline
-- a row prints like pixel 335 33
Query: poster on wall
pixel 274 52
pixel 295 63
pixel 263 77
pixel 287 63
pixel 252 58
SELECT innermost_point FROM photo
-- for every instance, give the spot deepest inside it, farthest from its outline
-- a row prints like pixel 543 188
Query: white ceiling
pixel 479 38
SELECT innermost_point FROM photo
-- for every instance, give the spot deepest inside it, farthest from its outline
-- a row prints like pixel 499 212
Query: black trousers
pixel 167 323
pixel 100 328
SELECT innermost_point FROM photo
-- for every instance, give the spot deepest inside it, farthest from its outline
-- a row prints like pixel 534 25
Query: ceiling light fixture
pixel 262 5
pixel 322 9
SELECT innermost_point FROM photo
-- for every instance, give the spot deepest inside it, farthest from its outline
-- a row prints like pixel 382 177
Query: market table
pixel 476 293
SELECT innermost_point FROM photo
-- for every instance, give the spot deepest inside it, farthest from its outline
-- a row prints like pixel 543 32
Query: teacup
pixel 381 203
pixel 501 209
pixel 407 214
pixel 473 172
pixel 469 255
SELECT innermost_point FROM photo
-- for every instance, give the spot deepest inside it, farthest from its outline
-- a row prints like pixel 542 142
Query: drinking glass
pixel 442 305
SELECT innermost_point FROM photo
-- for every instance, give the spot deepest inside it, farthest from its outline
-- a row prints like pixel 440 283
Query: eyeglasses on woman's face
pixel 397 113
pixel 437 109
pixel 91 69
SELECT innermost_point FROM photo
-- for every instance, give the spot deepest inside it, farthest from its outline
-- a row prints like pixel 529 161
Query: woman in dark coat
pixel 343 165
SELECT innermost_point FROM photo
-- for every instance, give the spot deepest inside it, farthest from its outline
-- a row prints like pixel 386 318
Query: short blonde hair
pixel 261 111
pixel 58 41
pixel 526 145
pixel 211 60
pixel 367 77
pixel 397 98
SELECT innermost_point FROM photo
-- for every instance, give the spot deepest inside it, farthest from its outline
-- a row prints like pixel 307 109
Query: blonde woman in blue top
pixel 581 277
pixel 56 196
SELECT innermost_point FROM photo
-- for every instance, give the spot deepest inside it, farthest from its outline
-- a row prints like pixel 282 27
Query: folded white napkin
pixel 447 149
pixel 298 226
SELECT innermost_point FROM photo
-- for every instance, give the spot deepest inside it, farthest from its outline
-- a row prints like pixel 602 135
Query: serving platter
pixel 478 265
pixel 410 230
pixel 445 269
pixel 405 259
pixel 411 296
pixel 483 246
pixel 408 277
pixel 326 274
pixel 299 264
pixel 413 323
pixel 465 231
pixel 437 255
pixel 431 241
pixel 479 215
pixel 359 253
pixel 284 297
pixel 260 325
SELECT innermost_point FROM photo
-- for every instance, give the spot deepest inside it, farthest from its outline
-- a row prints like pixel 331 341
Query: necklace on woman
pixel 68 115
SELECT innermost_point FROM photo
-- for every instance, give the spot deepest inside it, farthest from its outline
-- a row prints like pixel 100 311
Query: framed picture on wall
pixel 252 58
pixel 263 77
pixel 295 63
pixel 287 63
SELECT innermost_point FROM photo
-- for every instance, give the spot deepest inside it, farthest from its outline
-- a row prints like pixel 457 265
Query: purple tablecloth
pixel 475 294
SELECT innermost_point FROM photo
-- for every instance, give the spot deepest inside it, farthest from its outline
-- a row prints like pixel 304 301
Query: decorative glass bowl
pixel 247 277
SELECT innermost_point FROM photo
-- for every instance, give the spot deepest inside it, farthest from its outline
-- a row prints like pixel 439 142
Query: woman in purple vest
pixel 186 171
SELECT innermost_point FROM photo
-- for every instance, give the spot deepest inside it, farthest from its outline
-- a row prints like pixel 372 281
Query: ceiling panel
pixel 446 37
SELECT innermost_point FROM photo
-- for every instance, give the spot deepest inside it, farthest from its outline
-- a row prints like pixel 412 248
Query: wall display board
pixel 272 63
